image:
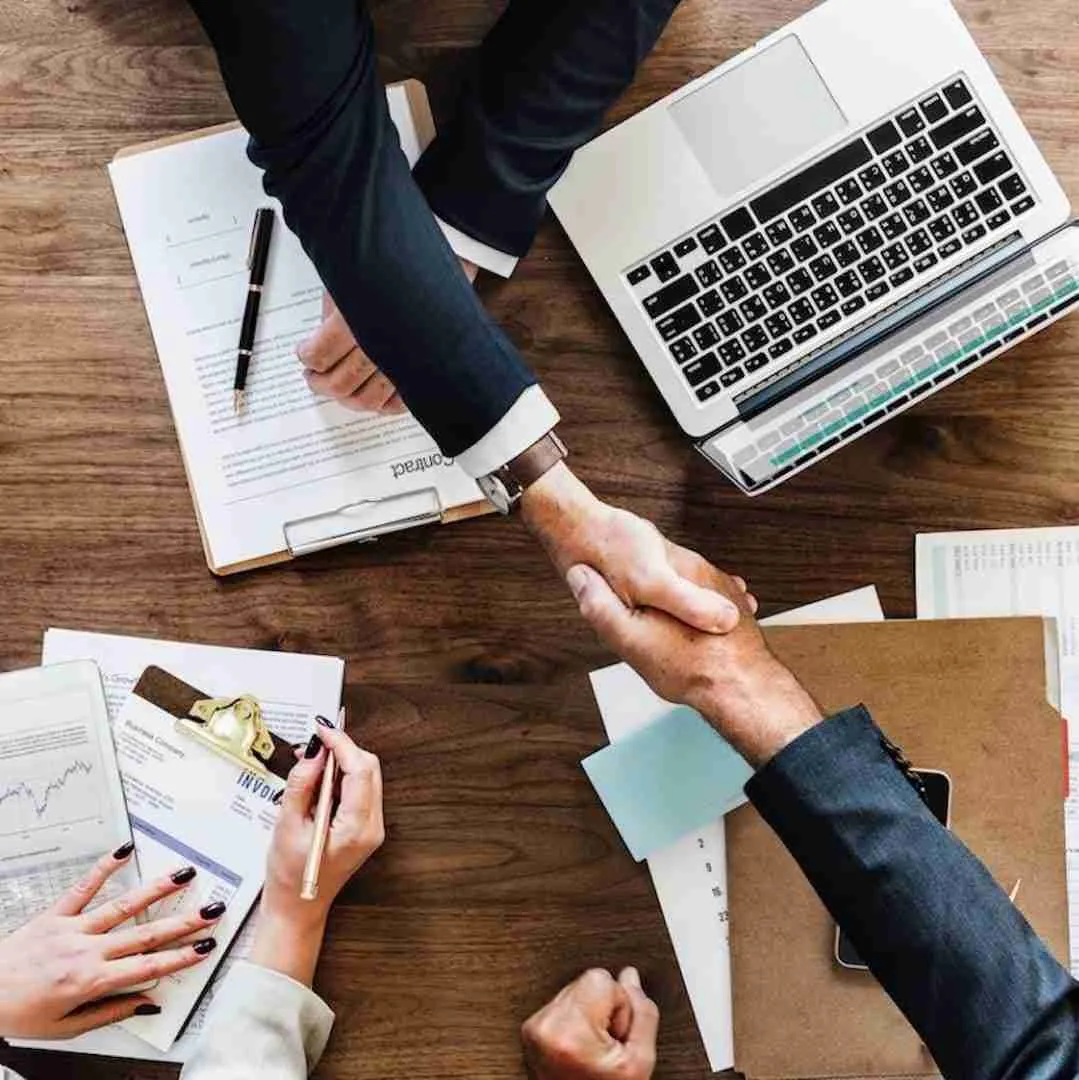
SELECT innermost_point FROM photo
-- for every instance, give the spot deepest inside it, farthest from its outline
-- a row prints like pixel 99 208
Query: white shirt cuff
pixel 484 256
pixel 530 418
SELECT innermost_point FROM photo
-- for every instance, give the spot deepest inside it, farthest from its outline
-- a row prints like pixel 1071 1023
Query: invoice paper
pixel 690 876
pixel 294 470
pixel 291 687
pixel 1005 572
pixel 61 803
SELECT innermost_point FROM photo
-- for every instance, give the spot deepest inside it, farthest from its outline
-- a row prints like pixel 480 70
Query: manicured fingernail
pixel 577 580
pixel 205 947
pixel 313 747
pixel 323 721
pixel 147 1008
pixel 213 911
pixel 182 877
pixel 630 977
pixel 123 851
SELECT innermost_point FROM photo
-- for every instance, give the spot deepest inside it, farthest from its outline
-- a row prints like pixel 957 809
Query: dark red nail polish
pixel 123 851
pixel 312 747
pixel 147 1008
pixel 207 945
pixel 182 877
pixel 213 911
pixel 323 721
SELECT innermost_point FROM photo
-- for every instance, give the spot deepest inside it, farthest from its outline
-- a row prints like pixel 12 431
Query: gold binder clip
pixel 233 728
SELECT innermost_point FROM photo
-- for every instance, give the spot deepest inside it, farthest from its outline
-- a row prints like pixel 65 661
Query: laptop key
pixel 949 249
pixel 963 185
pixel 892 226
pixel 710 303
pixel 779 232
pixel 987 171
pixel 706 336
pixel 872 177
pixel 757 276
pixel 920 149
pixel 712 240
pixel 977 146
pixel 869 240
pixel 684 247
pixel 846 254
pixel 883 138
pixel 855 303
pixel 988 200
pixel 709 390
pixel 729 323
pixel 823 267
pixel 683 349
pixel 827 234
pixel 848 284
pixel 778 325
pixel 926 262
pixel 825 205
pixel 871 270
pixel 849 191
pixel 729 378
pixel 670 296
pixel 776 295
pixel 829 319
pixel 733 289
pixel 998 220
pixel 910 122
pixel 738 223
pixel 1011 187
pixel 755 339
pixel 898 193
pixel 753 309
pixel 896 163
pixel 940 199
pixel 803 248
pixel 952 130
pixel 941 228
pixel 965 214
pixel 944 166
pixel 732 260
pixel 804 333
pixel 934 109
pixel 731 352
pixel 921 179
pixel 800 281
pixel 678 322
pixel 875 207
pixel 665 266
pixel 635 277
pixel 802 218
pixel 1022 206
pixel 801 311
pixel 894 256
pixel 916 212
pixel 780 348
pixel 972 236
pixel 779 262
pixel 918 242
pixel 901 277
pixel 825 297
pixel 754 245
pixel 957 94
pixel 875 292
pixel 704 367
pixel 755 363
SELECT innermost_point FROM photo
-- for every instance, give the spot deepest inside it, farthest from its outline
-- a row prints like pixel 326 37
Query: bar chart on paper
pixel 59 799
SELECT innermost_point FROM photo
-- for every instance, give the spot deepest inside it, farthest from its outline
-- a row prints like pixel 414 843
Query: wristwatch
pixel 504 487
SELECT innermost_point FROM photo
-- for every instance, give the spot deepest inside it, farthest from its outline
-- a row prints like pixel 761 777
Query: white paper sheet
pixel 690 877
pixel 292 687
pixel 1006 572
pixel 292 456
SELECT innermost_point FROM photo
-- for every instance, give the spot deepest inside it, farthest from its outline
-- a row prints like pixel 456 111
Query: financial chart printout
pixel 61 804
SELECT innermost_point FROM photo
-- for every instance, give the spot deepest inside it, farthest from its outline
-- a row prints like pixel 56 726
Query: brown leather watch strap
pixel 541 456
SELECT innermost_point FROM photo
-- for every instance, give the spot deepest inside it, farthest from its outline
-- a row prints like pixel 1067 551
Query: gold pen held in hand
pixel 323 814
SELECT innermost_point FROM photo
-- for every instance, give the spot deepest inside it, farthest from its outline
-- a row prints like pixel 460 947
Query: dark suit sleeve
pixel 544 78
pixel 940 936
pixel 301 75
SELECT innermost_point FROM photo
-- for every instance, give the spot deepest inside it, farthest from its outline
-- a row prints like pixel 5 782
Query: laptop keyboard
pixel 938 355
pixel 803 259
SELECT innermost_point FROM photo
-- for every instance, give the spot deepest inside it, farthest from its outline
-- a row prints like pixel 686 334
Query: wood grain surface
pixel 502 877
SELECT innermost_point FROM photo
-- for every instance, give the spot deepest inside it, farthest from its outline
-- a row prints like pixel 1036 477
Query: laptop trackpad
pixel 747 123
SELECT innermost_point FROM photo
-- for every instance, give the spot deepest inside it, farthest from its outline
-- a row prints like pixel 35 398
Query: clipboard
pixel 202 777
pixel 358 521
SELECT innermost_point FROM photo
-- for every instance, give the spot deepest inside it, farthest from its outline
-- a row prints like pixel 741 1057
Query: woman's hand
pixel 288 935
pixel 58 966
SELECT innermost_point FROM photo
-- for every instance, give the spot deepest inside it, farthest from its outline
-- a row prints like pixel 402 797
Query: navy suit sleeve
pixel 301 75
pixel 544 78
pixel 941 937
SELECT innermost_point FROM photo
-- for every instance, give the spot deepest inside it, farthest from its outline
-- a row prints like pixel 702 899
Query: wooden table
pixel 502 877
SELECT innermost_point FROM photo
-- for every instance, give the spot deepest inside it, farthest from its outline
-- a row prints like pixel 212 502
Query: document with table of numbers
pixel 293 472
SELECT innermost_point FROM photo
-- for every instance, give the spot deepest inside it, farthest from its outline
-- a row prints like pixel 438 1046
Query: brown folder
pixel 968 697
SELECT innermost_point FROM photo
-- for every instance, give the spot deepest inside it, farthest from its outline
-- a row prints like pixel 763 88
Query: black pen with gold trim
pixel 257 256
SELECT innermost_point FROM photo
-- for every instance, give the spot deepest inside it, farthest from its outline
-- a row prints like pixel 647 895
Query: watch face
pixel 496 493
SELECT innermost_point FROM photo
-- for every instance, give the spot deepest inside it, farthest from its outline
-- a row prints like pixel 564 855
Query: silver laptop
pixel 820 232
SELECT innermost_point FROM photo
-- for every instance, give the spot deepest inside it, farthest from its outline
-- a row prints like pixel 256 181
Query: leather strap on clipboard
pixel 196 710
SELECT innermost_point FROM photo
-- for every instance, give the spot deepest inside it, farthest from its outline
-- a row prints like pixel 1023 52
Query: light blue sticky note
pixel 667 779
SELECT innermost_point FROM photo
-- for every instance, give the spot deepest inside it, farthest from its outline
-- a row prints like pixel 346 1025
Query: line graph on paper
pixel 67 796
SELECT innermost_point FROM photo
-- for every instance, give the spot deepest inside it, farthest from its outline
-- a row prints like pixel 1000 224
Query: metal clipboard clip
pixel 233 728
pixel 364 521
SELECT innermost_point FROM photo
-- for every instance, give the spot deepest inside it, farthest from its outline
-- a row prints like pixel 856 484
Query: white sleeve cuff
pixel 484 256
pixel 530 418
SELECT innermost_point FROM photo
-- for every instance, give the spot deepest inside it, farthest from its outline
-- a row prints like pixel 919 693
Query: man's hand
pixel 644 569
pixel 337 367
pixel 733 680
pixel 595 1029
